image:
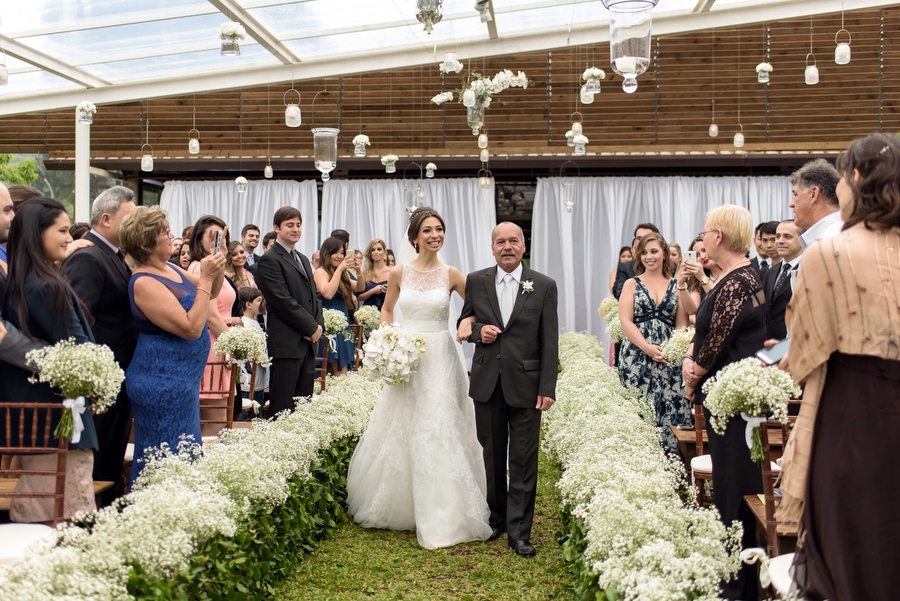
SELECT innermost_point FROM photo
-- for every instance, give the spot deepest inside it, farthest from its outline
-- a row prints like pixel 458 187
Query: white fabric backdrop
pixel 185 202
pixel 579 249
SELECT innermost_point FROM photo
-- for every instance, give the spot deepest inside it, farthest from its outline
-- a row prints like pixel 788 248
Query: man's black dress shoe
pixel 496 532
pixel 522 547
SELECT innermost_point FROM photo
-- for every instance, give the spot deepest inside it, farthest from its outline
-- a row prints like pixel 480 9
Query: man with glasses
pixel 626 269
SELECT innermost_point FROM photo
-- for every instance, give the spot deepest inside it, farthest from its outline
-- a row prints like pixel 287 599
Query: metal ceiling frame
pixel 101 92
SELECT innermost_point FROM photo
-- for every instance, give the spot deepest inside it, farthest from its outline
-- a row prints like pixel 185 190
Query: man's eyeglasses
pixel 702 235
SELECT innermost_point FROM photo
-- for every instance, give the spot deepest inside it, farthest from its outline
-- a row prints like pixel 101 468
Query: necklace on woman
pixel 733 266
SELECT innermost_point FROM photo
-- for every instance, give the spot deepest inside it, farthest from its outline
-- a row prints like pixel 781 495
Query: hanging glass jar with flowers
pixel 430 168
pixel 86 112
pixel 390 163
pixel 762 72
pixel 580 143
pixel 592 77
pixel 230 33
pixel 478 90
pixel 359 145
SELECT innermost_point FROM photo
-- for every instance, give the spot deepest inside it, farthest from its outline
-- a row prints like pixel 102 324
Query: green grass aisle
pixel 382 565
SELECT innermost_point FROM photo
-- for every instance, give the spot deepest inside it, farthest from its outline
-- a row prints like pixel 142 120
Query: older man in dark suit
pixel 295 320
pixel 100 276
pixel 513 378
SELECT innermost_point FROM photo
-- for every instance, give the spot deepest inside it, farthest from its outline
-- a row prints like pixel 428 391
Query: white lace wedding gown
pixel 419 465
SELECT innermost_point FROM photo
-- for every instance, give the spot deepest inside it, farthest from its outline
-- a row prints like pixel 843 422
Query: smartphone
pixel 217 243
pixel 774 354
pixel 690 255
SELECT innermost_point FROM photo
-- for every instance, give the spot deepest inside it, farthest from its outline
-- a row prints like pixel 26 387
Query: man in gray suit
pixel 513 379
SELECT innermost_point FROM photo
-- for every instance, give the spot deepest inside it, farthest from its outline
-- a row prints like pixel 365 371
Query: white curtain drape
pixel 185 202
pixel 579 249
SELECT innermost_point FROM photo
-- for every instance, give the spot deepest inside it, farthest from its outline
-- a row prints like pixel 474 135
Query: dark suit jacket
pixel 100 279
pixel 293 309
pixel 623 274
pixel 525 356
pixel 15 345
pixel 776 303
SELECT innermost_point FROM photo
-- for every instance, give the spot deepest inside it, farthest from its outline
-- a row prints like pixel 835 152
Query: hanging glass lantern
pixel 739 137
pixel 475 118
pixel 713 130
pixel 468 99
pixel 241 183
pixel 577 119
pixel 485 178
pixel 292 116
pixel 147 159
pixel 325 149
pixel 811 75
pixel 568 195
pixel 842 50
pixel 268 172
pixel 230 33
pixel 629 38
pixel 484 156
pixel 586 96
pixel 429 13
pixel 482 141
pixel 194 142
pixel 451 63
pixel 430 168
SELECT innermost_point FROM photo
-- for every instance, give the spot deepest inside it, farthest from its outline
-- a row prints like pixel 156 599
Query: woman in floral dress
pixel 649 311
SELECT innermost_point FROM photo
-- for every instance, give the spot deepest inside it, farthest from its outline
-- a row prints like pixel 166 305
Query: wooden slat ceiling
pixel 669 113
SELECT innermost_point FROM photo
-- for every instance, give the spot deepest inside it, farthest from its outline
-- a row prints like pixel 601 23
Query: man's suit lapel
pixel 121 267
pixel 491 290
pixel 285 256
pixel 520 296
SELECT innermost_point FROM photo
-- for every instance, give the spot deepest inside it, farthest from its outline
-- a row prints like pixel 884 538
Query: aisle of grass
pixel 381 565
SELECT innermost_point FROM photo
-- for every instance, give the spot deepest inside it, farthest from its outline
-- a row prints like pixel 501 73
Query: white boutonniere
pixel 527 286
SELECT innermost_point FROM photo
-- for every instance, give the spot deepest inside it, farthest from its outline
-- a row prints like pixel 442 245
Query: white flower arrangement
pixel 369 316
pixel 442 97
pixel 392 354
pixel 430 167
pixel 643 541
pixel 764 68
pixel 240 180
pixel 183 500
pixel 244 344
pixel 580 139
pixel 609 312
pixel 527 286
pixel 361 139
pixel 677 345
pixel 614 329
pixel 80 371
pixel 232 30
pixel 389 158
pixel 749 389
pixel 593 73
pixel 335 321
pixel 485 87
pixel 86 107
pixel 570 135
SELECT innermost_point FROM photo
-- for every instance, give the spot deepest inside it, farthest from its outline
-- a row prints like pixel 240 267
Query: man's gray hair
pixel 819 173
pixel 109 202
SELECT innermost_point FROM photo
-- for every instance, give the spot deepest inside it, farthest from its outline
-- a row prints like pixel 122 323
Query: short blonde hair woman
pixel 735 226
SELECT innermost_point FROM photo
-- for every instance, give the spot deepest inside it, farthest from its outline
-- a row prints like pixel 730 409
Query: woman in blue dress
pixel 337 292
pixel 650 311
pixel 375 273
pixel 171 307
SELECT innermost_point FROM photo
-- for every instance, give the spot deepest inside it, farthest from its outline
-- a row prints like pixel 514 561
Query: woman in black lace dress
pixel 730 327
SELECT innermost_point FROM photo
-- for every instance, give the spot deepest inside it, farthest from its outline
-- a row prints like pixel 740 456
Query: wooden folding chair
pixel 701 464
pixel 217 390
pixel 359 331
pixel 321 363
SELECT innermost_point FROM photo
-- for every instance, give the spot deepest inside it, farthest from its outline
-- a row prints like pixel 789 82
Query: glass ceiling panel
pixel 33 83
pixel 55 14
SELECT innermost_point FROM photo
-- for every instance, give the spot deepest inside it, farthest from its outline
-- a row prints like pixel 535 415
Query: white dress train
pixel 419 465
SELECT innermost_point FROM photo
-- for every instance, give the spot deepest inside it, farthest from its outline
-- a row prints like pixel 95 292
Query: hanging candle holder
pixel 194 141
pixel 811 75
pixel 451 62
pixel 241 183
pixel 485 178
pixel 739 137
pixel 324 142
pixel 475 117
pixel 629 38
pixel 842 50
pixel 292 116
pixel 570 186
pixel 482 141
pixel 268 172
pixel 413 190
pixel 147 159
pixel 484 156
pixel 587 97
pixel 577 120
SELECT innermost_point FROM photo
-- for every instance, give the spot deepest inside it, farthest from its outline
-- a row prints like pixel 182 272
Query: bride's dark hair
pixel 415 223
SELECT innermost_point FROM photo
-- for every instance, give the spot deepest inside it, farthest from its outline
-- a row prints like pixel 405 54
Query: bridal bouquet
pixel 391 353
pixel 80 372
pixel 675 347
pixel 609 312
pixel 369 316
pixel 753 391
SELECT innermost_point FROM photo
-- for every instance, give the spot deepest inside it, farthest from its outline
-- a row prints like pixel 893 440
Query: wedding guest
pixel 764 241
pixel 343 236
pixel 184 256
pixel 250 240
pixel 730 327
pixel 356 267
pixel 626 269
pixel 20 193
pixel 175 259
pixel 100 277
pixel 845 437
pixel 815 202
pixel 251 300
pixel 220 314
pixel 778 280
pixel 375 274
pixel 675 257
pixel 696 278
pixel 268 241
pixel 336 289
pixel 39 301
pixel 294 314
pixel 624 255
pixel 235 267
pixel 315 259
pixel 171 308
pixel 650 312
pixel 78 230
pixel 391 259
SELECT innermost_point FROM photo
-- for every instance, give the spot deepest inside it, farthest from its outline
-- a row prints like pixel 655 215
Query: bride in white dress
pixel 419 465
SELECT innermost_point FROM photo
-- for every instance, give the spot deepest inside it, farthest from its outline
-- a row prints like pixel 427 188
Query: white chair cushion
pixel 778 572
pixel 775 467
pixel 246 404
pixel 16 538
pixel 129 452
pixel 701 464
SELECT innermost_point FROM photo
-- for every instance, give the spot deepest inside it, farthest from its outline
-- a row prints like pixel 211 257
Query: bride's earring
pixel 416 246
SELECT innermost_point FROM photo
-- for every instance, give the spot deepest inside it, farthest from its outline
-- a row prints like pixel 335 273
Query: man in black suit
pixel 295 322
pixel 100 277
pixel 513 378
pixel 777 283
pixel 626 270
pixel 764 241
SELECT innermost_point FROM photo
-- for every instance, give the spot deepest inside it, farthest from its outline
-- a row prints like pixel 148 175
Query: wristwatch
pixel 705 280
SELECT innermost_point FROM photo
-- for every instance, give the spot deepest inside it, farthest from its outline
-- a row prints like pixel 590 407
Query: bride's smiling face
pixel 431 235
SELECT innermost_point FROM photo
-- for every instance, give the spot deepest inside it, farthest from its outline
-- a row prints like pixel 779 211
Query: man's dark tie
pixel 296 256
pixel 785 274
pixel 763 268
pixel 121 256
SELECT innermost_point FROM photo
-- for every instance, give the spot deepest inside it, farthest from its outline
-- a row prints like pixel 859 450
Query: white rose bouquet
pixel 369 316
pixel 753 391
pixel 361 139
pixel 79 371
pixel 675 347
pixel 391 354
pixel 232 30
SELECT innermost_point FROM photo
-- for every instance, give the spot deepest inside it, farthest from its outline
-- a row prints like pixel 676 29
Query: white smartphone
pixel 774 354
pixel 690 255
pixel 217 242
